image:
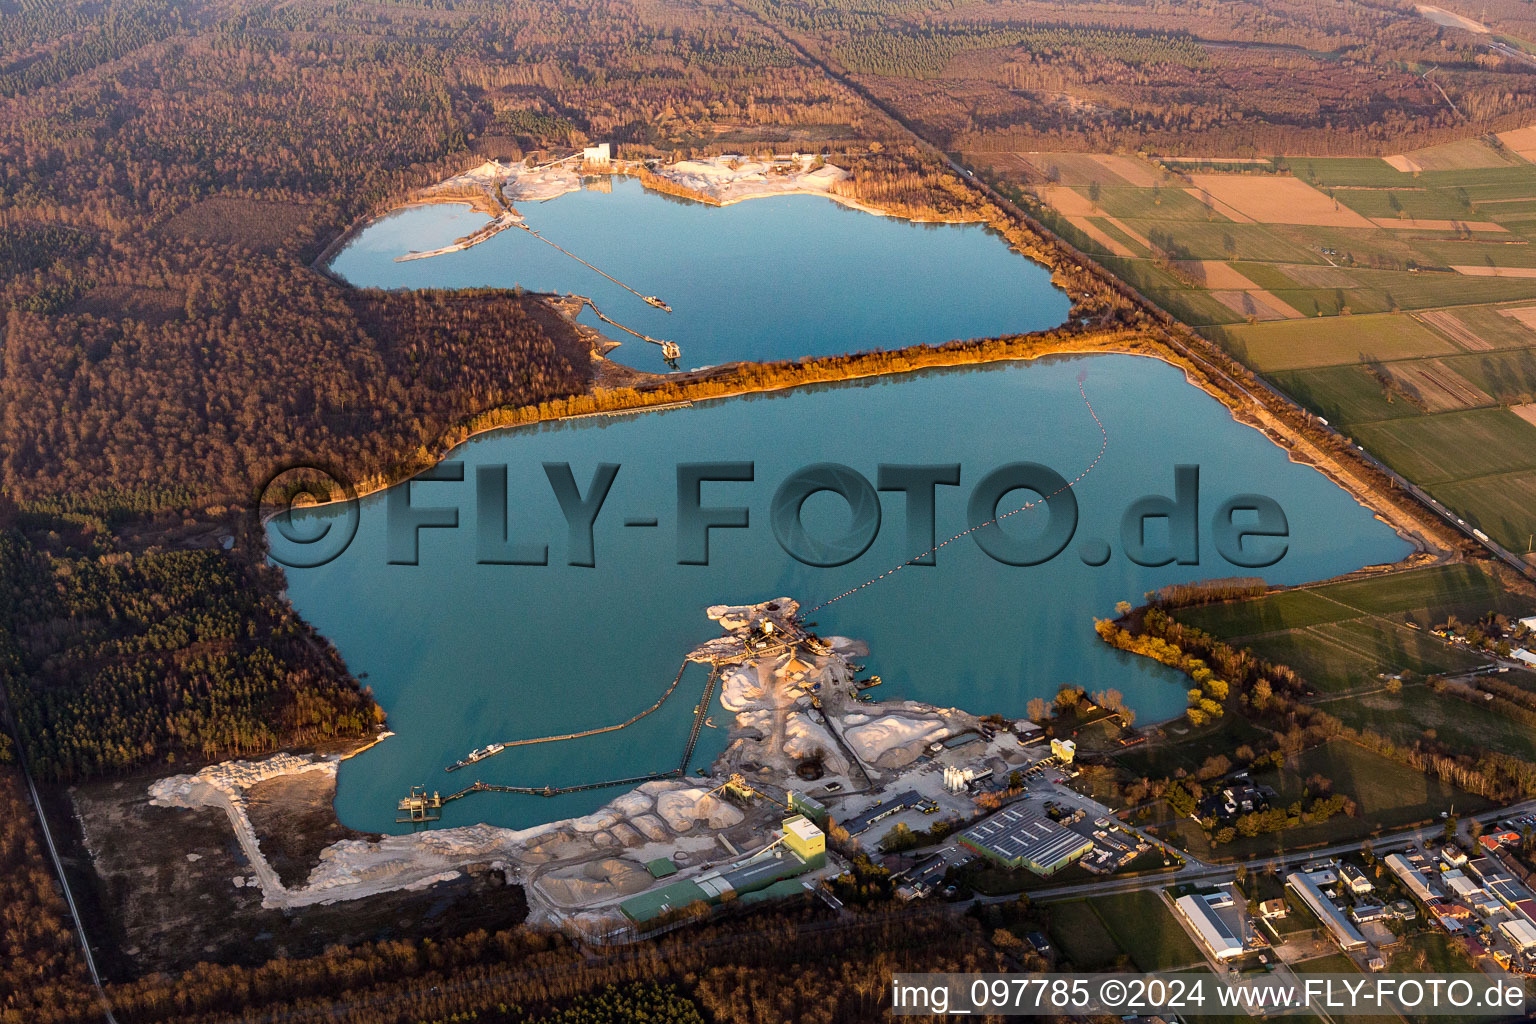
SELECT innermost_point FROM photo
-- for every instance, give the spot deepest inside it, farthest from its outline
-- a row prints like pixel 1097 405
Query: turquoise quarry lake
pixel 772 278
pixel 462 654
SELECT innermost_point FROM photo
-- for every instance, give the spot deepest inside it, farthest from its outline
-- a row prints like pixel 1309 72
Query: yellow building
pixel 1064 750
pixel 803 837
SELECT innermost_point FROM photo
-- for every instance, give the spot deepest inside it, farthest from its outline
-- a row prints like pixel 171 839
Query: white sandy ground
pixel 355 869
pixel 1450 19
pixel 726 179
pixel 894 738
pixel 730 180
pixel 576 870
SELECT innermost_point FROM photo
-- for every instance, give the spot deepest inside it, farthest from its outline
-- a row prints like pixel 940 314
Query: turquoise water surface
pixel 461 654
pixel 772 278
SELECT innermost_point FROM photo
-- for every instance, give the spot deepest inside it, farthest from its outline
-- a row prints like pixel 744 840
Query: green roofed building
pixel 808 806
pixel 799 848
pixel 648 906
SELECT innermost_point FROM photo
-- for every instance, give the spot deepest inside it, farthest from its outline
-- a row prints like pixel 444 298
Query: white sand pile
pixel 552 845
pixel 681 808
pixel 594 880
pixel 875 738
pixel 232 777
pixel 626 836
pixel 352 861
pixel 541 183
pixel 651 827
pixel 740 689
pixel 636 801
pixel 732 179
pixel 739 616
pixel 598 820
pixel 804 738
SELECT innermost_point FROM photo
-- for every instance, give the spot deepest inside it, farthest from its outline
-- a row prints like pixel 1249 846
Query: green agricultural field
pixel 1331 341
pixel 1425 596
pixel 1203 240
pixel 1502 506
pixel 1405 717
pixel 1389 795
pixel 1354 248
pixel 1145 928
pixel 1080 934
pixel 1348 655
pixel 1432 450
pixel 1515 182
pixel 1404 202
pixel 1513 252
pixel 1071 169
pixel 1270 276
pixel 1196 308
pixel 1328 302
pixel 1167 202
pixel 1368 171
pixel 1290 609
pixel 1509 376
pixel 1345 635
pixel 1492 328
pixel 1113 231
pixel 1432 290
pixel 1343 395
pixel 1501 210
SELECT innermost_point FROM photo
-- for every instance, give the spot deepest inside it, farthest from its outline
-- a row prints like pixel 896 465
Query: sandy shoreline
pixel 492 188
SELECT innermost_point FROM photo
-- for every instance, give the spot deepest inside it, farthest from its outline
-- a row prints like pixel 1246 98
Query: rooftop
pixel 1017 834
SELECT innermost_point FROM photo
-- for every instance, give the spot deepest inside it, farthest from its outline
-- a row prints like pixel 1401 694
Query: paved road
pixel 69 897
pixel 1196 870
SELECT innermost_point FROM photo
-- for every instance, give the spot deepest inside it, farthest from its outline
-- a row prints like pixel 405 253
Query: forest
pixel 117 658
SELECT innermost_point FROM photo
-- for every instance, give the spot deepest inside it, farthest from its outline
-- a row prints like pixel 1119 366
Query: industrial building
pixel 1015 838
pixel 1412 878
pixel 808 806
pixel 1520 933
pixel 958 780
pixel 808 842
pixel 1213 931
pixel 799 848
pixel 882 810
pixel 1344 933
